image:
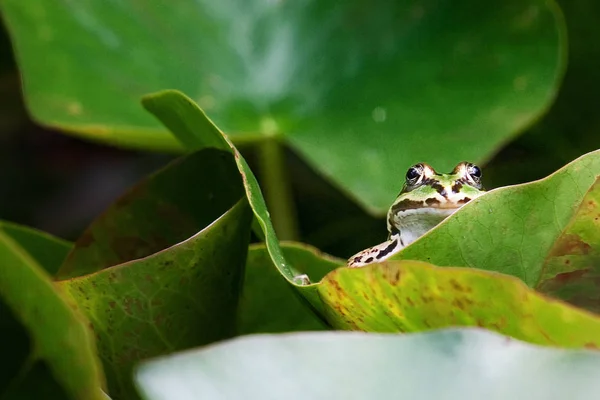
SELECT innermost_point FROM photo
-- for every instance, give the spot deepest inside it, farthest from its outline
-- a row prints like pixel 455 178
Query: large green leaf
pixel 528 230
pixel 461 364
pixel 385 83
pixel 61 359
pixel 413 296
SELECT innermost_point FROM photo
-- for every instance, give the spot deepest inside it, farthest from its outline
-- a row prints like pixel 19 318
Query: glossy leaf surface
pixel 386 83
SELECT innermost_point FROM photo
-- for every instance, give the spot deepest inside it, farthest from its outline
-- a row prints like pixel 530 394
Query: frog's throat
pixel 414 223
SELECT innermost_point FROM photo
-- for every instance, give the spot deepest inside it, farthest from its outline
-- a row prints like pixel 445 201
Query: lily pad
pixel 464 364
pixel 389 83
pixel 413 296
pixel 62 352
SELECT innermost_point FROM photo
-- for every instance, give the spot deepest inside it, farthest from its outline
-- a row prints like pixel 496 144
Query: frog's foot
pixel 376 253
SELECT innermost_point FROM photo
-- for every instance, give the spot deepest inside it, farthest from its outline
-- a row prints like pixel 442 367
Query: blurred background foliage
pixel 59 183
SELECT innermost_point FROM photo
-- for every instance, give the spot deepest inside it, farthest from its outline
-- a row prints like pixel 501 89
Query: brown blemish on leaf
pixel 566 277
pixel 590 346
pixel 546 336
pixel 458 303
pixel 86 239
pixel 456 286
pixel 112 304
pixel 570 244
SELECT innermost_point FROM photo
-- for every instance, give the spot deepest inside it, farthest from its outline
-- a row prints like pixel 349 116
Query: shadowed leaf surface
pixel 464 364
pixel 412 296
pixel 269 304
pixel 181 297
pixel 60 341
pixel 164 209
pixel 379 82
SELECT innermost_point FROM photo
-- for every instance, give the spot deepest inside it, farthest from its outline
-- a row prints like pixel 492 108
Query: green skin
pixel 426 199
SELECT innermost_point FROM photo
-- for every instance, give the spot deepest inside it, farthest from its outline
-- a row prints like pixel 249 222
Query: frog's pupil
pixel 412 174
pixel 475 171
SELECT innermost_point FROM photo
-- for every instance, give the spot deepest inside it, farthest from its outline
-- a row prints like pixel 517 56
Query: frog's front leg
pixel 377 253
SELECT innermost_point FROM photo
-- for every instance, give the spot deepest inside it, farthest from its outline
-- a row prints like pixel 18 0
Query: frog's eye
pixel 474 171
pixel 413 173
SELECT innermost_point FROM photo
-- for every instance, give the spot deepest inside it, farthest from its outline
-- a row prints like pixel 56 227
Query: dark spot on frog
pixel 456 187
pixel 406 204
pixel 368 260
pixel 464 200
pixel 431 202
pixel 387 250
pixel 439 188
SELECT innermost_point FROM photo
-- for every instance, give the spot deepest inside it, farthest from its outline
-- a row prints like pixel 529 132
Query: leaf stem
pixel 277 188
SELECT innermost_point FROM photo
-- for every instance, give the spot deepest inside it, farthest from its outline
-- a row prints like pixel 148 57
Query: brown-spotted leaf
pixel 413 296
pixel 572 268
pixel 182 297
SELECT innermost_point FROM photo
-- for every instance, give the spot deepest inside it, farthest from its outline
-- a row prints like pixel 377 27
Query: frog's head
pixel 429 197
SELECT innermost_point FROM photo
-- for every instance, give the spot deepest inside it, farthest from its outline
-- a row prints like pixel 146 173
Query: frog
pixel 426 199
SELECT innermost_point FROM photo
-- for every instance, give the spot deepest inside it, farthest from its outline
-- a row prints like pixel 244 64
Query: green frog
pixel 426 199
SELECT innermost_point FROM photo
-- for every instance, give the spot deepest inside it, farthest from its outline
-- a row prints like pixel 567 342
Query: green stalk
pixel 277 187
